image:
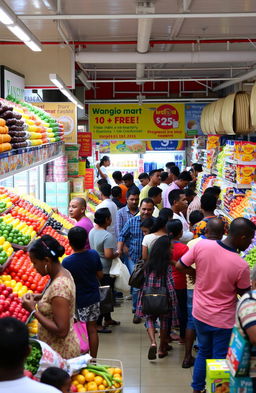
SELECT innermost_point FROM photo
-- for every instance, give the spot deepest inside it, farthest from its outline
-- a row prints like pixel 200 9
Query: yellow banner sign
pixel 134 121
pixel 66 113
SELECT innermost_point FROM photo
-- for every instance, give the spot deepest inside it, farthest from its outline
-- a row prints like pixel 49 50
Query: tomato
pixel 33 287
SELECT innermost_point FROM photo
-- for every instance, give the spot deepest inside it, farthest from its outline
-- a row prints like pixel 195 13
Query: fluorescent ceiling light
pixel 19 32
pixel 83 78
pixel 33 46
pixel 58 82
pixel 6 17
pixel 18 28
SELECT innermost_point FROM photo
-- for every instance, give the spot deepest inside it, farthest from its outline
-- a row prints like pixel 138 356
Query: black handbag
pixel 106 299
pixel 136 279
pixel 155 301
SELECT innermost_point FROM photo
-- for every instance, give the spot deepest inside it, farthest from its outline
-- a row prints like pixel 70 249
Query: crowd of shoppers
pixel 190 258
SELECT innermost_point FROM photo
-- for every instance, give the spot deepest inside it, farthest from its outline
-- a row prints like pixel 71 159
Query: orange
pixel 91 386
pixel 79 386
pixel 84 372
pixel 98 380
pixel 75 383
pixel 118 376
pixel 80 378
pixel 101 387
pixel 111 370
pixel 118 371
pixel 89 377
pixel 105 383
pixel 82 389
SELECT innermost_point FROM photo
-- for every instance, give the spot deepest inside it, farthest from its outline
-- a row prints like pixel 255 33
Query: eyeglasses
pixel 51 251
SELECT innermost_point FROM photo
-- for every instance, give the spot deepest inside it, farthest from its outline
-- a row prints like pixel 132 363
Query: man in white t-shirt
pixel 14 348
pixel 179 203
pixel 105 191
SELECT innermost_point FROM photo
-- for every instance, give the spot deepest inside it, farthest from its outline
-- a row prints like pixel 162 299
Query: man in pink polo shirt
pixel 221 274
pixel 182 182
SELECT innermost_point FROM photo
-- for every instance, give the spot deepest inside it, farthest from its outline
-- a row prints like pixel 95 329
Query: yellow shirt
pixel 144 192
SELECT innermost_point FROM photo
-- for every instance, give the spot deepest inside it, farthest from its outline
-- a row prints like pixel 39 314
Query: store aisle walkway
pixel 130 343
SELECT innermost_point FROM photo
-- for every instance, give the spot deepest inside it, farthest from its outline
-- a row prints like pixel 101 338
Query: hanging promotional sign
pixel 193 115
pixel 165 145
pixel 84 139
pixel 12 83
pixel 64 112
pixel 134 121
pixel 89 178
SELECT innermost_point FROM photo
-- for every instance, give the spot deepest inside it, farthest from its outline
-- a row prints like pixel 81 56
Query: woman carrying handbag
pixel 157 298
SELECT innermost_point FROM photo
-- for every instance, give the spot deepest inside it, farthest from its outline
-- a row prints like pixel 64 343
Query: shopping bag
pixel 106 299
pixel 155 301
pixel 137 277
pixel 122 281
pixel 81 332
pixel 115 267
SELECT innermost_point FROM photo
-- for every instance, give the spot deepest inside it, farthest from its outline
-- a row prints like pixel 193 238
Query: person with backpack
pixel 159 283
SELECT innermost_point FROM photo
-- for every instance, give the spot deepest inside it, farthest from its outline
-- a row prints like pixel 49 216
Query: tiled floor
pixel 130 343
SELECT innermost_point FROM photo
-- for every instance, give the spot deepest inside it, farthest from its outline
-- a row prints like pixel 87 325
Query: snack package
pixel 213 142
pixel 245 151
pixel 245 174
pixel 217 376
pixel 43 356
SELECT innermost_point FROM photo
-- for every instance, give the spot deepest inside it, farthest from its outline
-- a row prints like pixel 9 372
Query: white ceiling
pixel 162 29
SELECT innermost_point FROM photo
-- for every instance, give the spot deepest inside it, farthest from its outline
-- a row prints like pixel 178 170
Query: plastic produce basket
pixel 113 363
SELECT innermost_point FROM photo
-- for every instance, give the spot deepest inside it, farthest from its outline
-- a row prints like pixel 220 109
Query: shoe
pixel 112 323
pixel 162 355
pixel 136 319
pixel 104 330
pixel 169 348
pixel 152 352
pixel 188 363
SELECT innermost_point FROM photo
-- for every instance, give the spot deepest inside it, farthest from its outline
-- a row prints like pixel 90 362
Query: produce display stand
pixel 25 247
pixel 6 264
pixel 7 211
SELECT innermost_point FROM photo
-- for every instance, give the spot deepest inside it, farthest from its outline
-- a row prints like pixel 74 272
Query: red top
pixel 179 278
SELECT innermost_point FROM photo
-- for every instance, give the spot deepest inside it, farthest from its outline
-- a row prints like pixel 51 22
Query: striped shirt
pixel 246 312
pixel 123 215
pixel 133 235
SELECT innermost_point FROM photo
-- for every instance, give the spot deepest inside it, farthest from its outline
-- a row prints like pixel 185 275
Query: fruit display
pixel 54 224
pixel 16 286
pixel 93 201
pixel 16 231
pixel 33 327
pixel 63 240
pixel 22 270
pixel 10 304
pixel 97 378
pixel 250 257
pixel 65 221
pixel 5 203
pixel 36 202
pixel 33 359
pixel 29 217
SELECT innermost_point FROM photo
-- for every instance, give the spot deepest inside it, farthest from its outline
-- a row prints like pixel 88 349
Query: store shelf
pixel 239 162
pixel 21 160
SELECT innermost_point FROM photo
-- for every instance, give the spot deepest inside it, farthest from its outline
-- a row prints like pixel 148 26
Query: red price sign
pixel 84 139
pixel 89 178
pixel 166 117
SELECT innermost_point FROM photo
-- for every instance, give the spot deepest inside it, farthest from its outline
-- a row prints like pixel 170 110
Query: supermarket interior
pixel 127 196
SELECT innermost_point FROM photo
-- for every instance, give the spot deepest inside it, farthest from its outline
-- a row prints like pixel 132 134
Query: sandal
pixel 152 352
pixel 162 355
pixel 188 363
pixel 104 330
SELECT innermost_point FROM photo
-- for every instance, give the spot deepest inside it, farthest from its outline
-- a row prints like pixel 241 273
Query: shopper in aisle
pixel 154 181
pixel 118 179
pixel 178 203
pixel 132 235
pixel 158 229
pixel 147 225
pixel 144 180
pixel 129 183
pixel 155 193
pixel 195 217
pixel 182 182
pixel 221 274
pixel 86 269
pixel 158 274
pixel 214 231
pixel 103 242
pixel 169 165
pixel 166 213
pixel 175 231
pixel 101 167
pixel 55 309
pixel 196 203
pixel 130 210
pixel 174 173
pixel 246 317
pixel 105 193
pixel 116 193
pixel 208 207
pixel 14 349
pixel 57 377
pixel 76 210
pixel 165 181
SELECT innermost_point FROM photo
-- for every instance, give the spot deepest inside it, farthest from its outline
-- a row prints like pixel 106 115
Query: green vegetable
pixel 33 359
pixel 104 374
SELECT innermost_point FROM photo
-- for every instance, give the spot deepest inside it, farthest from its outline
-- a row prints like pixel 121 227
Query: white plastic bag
pixel 115 267
pixel 121 282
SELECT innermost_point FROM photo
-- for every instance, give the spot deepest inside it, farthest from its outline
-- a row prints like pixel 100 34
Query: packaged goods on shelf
pixel 241 384
pixel 72 152
pixel 217 376
pixel 245 151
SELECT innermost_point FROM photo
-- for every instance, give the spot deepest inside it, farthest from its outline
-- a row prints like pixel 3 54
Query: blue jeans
pixel 213 344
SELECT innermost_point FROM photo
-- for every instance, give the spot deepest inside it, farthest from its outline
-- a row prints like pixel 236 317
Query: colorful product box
pixel 241 385
pixel 245 174
pixel 238 356
pixel 245 151
pixel 217 376
pixel 72 152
